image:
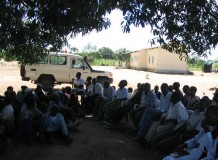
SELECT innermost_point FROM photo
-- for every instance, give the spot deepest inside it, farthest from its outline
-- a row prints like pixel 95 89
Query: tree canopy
pixel 31 28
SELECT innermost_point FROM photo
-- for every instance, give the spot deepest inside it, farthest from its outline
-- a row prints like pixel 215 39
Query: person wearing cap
pixel 53 124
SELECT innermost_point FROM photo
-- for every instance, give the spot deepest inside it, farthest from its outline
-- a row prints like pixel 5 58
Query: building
pixel 158 60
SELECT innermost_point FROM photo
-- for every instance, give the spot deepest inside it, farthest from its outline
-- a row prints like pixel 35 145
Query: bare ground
pixel 91 139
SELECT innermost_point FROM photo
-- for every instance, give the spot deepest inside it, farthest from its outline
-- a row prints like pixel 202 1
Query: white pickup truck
pixel 58 68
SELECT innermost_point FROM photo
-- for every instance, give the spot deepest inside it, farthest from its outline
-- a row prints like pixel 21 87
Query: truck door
pixel 78 65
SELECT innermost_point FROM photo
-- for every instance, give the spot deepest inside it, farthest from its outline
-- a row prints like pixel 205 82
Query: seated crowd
pixel 179 123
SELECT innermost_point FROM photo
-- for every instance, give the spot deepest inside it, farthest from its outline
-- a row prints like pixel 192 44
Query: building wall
pixel 158 60
pixel 169 62
pixel 138 59
pixel 152 59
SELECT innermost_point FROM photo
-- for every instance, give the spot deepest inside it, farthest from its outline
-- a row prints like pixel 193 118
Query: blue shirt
pixel 149 100
pixel 108 93
pixel 55 123
pixel 122 93
pixel 165 102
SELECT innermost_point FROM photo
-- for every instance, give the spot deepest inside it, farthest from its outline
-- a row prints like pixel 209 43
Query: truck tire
pixel 46 82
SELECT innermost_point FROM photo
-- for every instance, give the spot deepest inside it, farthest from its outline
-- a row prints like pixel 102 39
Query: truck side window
pixel 58 60
pixel 77 63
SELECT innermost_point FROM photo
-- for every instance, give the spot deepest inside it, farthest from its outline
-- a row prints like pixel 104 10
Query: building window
pixel 152 59
pixel 149 59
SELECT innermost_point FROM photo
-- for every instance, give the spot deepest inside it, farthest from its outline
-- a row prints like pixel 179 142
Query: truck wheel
pixel 47 82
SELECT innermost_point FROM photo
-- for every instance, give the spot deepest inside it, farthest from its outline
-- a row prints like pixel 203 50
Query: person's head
pixel 193 91
pixel 54 110
pixel 138 85
pixel 146 88
pixel 68 89
pixel 215 96
pixel 164 88
pixel 94 81
pixel 29 100
pixel 23 88
pixel 78 75
pixel 88 79
pixel 176 86
pixel 175 97
pixel 202 104
pixel 10 88
pixel 106 84
pixel 186 89
pixel 141 87
pixel 156 88
pixel 130 90
pixel 170 88
pixel 122 83
pixel 211 115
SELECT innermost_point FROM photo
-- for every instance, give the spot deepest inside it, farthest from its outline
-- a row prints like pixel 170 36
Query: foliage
pixel 103 62
pixel 123 55
pixel 195 63
pixel 29 29
pixel 106 53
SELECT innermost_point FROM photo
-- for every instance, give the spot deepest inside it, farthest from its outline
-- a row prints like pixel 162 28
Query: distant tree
pixel 123 55
pixel 106 53
pixel 196 62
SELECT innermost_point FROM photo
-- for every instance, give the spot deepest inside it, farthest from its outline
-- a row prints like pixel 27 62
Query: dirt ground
pixel 91 139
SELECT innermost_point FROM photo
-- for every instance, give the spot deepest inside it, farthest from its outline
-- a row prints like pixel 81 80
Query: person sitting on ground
pixel 121 95
pixel 193 98
pixel 108 95
pixel 21 94
pixel 175 114
pixel 136 90
pixel 30 118
pixel 95 90
pixel 124 109
pixel 54 126
pixel 88 83
pixel 176 88
pixel 204 144
pixel 10 90
pixel 186 96
pixel 148 99
pixel 184 131
pixel 8 113
pixel 157 92
pixel 79 84
pixel 154 114
pixel 129 92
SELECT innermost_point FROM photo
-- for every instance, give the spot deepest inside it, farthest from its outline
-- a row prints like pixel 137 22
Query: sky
pixel 115 39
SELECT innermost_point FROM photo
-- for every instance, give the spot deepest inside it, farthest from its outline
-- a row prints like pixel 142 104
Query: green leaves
pixel 28 28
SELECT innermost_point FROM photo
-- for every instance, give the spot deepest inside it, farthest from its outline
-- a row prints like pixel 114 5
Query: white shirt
pixel 79 82
pixel 165 102
pixel 8 113
pixel 97 88
pixel 177 111
pixel 122 93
